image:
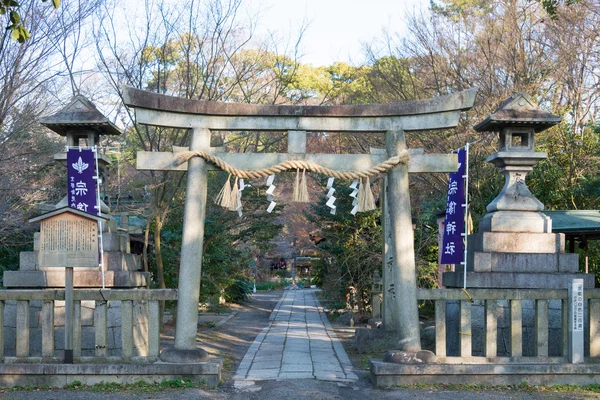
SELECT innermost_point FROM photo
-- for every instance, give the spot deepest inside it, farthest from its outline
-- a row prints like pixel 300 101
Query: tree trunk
pixel 160 274
pixel 145 250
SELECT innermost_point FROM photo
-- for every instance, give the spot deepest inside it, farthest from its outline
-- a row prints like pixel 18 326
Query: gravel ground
pixel 231 340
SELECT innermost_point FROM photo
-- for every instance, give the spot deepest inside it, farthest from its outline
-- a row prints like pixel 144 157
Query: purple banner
pixel 454 227
pixel 81 183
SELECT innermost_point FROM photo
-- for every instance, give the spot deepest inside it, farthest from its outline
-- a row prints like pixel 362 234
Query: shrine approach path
pixel 298 343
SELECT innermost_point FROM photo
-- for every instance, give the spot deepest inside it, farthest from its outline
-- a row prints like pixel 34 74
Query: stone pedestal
pixel 121 268
pixel 504 259
pixel 516 221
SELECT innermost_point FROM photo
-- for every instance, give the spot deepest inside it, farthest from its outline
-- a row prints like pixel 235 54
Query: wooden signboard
pixel 68 240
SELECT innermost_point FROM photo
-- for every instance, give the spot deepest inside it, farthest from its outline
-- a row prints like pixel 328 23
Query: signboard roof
pixel 68 210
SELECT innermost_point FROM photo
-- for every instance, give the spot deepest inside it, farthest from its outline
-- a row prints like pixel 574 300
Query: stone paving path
pixel 299 343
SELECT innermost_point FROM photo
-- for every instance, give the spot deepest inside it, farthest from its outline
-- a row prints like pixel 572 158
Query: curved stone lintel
pixel 143 99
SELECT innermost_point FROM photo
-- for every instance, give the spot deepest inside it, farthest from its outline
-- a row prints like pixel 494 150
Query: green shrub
pixel 238 290
pixel 337 305
pixel 282 273
pixel 319 272
pixel 285 282
pixel 270 285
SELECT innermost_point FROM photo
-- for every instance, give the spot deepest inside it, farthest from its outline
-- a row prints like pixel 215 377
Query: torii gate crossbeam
pixel 393 119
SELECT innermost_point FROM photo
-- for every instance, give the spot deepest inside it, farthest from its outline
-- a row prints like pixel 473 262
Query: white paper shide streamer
pixel 354 194
pixel 242 186
pixel 270 193
pixel 330 197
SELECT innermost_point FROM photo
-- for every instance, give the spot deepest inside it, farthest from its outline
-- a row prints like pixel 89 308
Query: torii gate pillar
pixel 404 291
pixel 185 349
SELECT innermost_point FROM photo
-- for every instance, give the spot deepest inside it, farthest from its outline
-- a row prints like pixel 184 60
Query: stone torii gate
pixel 400 299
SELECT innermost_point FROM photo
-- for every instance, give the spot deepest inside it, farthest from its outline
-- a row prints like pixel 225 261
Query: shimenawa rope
pixel 385 166
pixel 229 197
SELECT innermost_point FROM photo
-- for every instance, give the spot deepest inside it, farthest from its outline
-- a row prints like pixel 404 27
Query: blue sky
pixel 337 28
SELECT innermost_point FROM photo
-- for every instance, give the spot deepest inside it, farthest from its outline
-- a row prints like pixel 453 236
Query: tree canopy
pixel 16 24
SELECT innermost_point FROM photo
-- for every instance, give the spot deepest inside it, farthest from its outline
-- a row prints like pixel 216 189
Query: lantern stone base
pixel 523 262
pixel 517 242
pixel 515 280
pixel 516 221
pixel 528 260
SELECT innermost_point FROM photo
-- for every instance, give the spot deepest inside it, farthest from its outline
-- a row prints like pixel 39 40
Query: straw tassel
pixel 224 197
pixel 236 197
pixel 303 198
pixel 297 187
pixel 366 201
pixel 300 188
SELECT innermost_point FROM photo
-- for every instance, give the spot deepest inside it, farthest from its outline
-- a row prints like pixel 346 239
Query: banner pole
pixel 466 219
pixel 99 212
pixel 68 358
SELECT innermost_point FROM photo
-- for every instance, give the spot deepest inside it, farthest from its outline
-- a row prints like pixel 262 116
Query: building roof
pixel 80 113
pixel 518 110
pixel 575 222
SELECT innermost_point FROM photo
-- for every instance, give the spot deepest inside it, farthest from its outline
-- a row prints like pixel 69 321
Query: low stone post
pixel 185 350
pixel 576 323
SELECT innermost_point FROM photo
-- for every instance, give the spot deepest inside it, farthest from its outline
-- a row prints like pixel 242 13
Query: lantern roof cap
pixel 518 110
pixel 80 114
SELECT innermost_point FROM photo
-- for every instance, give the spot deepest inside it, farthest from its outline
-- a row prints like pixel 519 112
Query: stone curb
pixel 233 314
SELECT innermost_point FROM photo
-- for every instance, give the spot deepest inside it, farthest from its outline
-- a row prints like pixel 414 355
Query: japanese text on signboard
pixel 453 247
pixel 81 184
pixel 577 302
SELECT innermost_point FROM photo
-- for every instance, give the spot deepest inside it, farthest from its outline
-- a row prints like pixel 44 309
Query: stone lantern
pixel 515 246
pixel 516 209
pixel 82 124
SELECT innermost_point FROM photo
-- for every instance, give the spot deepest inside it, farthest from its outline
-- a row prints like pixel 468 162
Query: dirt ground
pixel 231 340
